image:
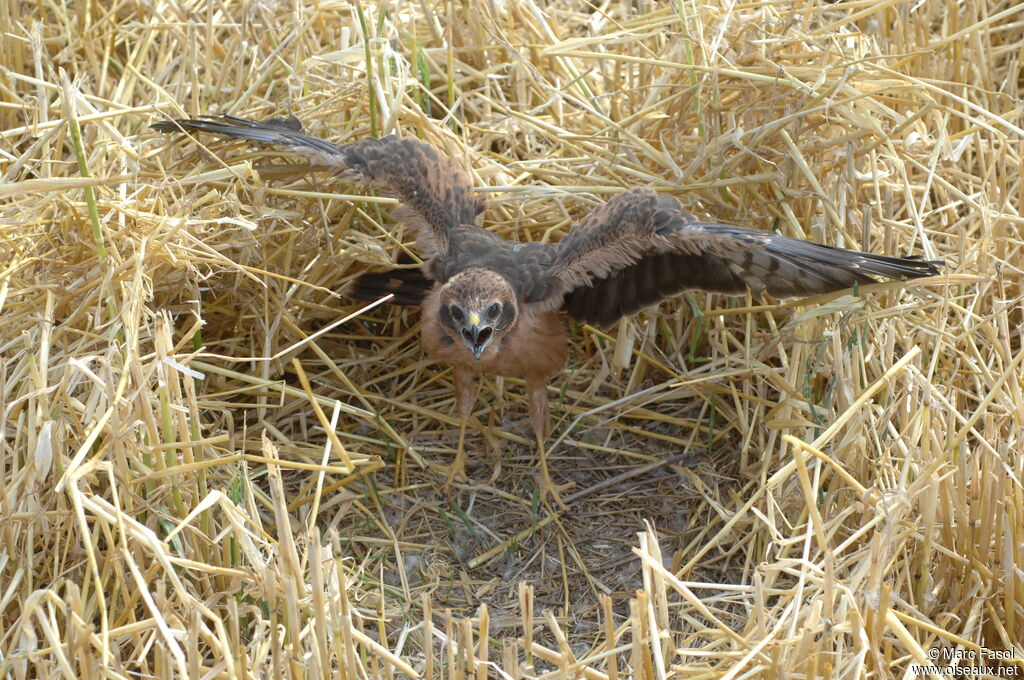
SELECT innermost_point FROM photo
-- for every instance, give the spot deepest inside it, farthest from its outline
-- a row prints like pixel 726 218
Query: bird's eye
pixel 494 310
pixel 456 312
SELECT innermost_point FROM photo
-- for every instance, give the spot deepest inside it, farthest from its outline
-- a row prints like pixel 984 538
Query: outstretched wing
pixel 641 247
pixel 436 195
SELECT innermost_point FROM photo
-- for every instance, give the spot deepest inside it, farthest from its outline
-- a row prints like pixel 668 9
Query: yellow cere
pixel 474 319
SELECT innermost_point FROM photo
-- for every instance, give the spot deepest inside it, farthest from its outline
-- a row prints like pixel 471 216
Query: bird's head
pixel 478 307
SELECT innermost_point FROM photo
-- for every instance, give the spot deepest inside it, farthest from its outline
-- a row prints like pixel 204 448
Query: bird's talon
pixel 548 489
pixel 457 470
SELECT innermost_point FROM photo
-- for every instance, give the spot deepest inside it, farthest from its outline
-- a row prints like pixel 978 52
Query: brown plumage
pixel 495 306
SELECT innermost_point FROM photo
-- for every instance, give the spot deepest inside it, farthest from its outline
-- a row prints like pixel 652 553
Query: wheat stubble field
pixel 198 482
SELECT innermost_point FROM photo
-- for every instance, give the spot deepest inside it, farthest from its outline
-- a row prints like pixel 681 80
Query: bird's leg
pixel 540 421
pixel 465 396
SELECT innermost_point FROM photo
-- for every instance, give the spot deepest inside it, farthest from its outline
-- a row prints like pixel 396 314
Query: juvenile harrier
pixel 496 306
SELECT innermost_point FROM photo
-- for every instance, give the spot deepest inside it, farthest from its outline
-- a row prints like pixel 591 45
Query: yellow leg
pixel 465 397
pixel 540 420
pixel 547 487
pixel 458 466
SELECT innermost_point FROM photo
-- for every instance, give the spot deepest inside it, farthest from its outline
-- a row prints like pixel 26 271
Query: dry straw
pixel 195 483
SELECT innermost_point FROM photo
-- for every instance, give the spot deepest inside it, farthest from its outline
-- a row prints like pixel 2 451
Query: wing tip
pixel 901 268
pixel 224 122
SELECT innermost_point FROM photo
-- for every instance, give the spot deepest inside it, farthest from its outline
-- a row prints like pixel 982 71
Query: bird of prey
pixel 492 306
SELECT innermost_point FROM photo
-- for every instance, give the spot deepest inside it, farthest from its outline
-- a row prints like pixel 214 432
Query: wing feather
pixel 437 196
pixel 409 286
pixel 641 247
pixel 629 296
pixel 666 282
pixel 646 285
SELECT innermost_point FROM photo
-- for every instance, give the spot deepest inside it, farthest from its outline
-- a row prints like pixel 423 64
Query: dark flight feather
pixel 409 286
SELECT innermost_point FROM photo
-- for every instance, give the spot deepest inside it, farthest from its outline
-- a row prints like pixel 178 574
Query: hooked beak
pixel 477 337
